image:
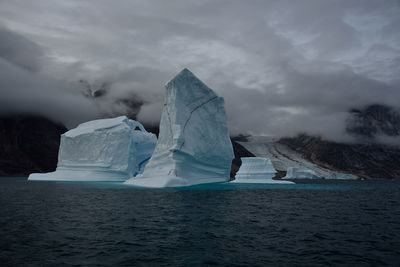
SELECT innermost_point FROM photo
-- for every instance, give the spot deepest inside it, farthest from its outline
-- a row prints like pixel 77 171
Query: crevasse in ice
pixel 102 150
pixel 194 145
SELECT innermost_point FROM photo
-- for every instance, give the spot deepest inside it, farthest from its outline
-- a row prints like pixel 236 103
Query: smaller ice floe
pixel 301 173
pixel 257 170
pixel 102 150
pixel 342 176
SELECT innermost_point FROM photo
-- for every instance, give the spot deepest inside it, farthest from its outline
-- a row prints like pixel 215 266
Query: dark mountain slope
pixel 367 158
pixel 374 120
pixel 28 144
pixel 239 152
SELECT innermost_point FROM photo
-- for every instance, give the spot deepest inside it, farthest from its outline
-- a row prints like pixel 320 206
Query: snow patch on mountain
pixel 283 158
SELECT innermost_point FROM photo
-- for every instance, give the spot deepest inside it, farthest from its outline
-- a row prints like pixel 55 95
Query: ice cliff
pixel 257 170
pixel 102 150
pixel 193 145
pixel 300 173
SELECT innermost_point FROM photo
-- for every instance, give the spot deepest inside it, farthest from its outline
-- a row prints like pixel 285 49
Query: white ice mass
pixel 102 150
pixel 257 170
pixel 193 145
pixel 300 173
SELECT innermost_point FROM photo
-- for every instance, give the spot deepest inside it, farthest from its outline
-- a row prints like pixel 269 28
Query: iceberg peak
pixel 185 73
pixel 185 82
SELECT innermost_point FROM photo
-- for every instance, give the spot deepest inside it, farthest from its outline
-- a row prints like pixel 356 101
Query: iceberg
pixel 342 176
pixel 257 170
pixel 102 150
pixel 301 173
pixel 193 145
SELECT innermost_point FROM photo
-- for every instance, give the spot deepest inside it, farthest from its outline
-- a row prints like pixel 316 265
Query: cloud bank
pixel 283 67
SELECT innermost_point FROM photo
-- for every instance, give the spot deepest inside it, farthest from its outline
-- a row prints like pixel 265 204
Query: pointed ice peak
pixel 187 83
pixel 185 76
pixel 185 73
pixel 186 70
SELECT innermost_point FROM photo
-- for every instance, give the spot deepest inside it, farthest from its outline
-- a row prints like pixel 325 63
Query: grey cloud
pixel 283 67
pixel 25 92
pixel 20 50
pixel 24 89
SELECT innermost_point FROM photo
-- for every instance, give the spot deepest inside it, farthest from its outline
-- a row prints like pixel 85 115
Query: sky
pixel 283 67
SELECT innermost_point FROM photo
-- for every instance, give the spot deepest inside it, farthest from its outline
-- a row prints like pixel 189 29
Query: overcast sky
pixel 282 66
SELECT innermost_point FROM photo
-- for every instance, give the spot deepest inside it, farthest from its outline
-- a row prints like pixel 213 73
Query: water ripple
pixel 51 224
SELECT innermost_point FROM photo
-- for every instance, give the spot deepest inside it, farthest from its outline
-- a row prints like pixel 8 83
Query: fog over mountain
pixel 283 67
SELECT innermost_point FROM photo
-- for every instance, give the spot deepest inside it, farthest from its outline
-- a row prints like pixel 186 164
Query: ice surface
pixel 193 145
pixel 257 170
pixel 91 126
pixel 102 150
pixel 301 173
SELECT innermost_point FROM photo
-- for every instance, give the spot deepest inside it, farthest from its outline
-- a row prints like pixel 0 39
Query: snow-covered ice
pixel 193 145
pixel 300 173
pixel 102 150
pixel 257 170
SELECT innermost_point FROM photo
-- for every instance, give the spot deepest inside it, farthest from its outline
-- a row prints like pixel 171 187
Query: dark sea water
pixel 346 223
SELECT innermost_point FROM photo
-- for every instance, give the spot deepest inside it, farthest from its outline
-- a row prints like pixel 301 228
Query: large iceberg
pixel 257 170
pixel 102 150
pixel 193 145
pixel 301 173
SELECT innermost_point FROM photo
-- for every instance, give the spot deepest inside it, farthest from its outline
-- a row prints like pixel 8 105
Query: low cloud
pixel 283 67
pixel 19 50
pixel 25 92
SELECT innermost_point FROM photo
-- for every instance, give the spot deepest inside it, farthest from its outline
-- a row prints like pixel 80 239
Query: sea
pixel 318 223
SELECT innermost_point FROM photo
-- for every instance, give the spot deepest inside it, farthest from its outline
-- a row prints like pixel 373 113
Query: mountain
pixel 370 161
pixel 128 105
pixel 368 158
pixel 28 144
pixel 282 157
pixel 374 120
